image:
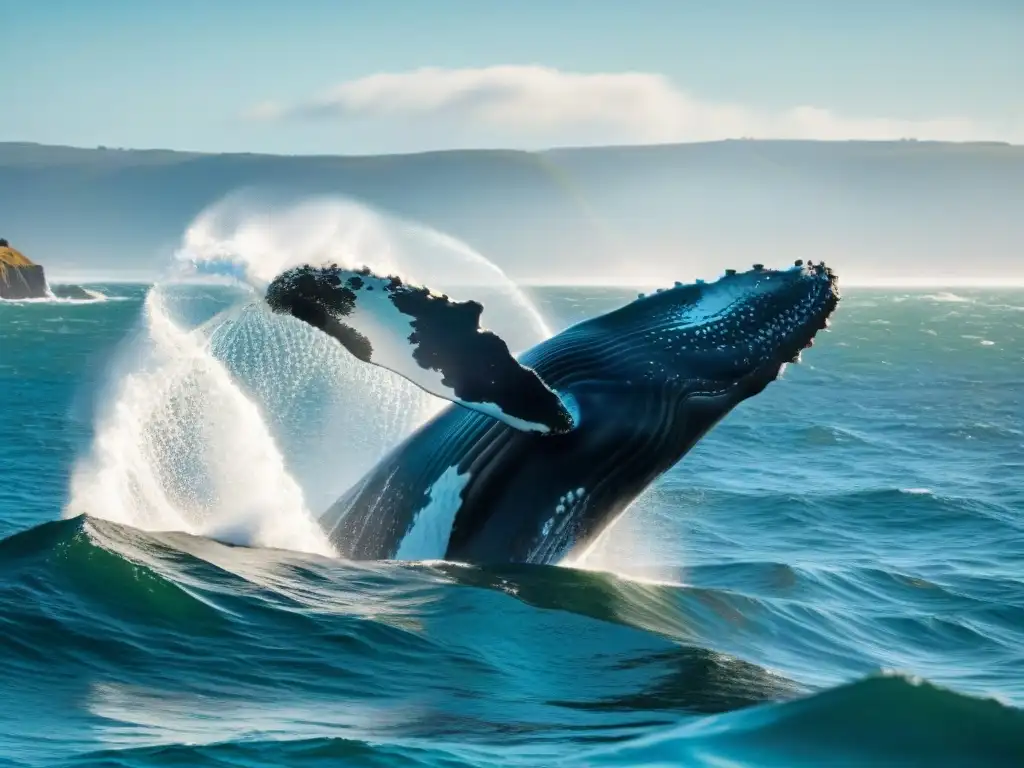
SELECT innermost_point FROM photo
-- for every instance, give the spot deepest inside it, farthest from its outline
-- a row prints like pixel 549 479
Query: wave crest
pixel 408 645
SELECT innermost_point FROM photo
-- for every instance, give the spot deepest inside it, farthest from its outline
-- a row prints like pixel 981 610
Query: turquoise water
pixel 833 577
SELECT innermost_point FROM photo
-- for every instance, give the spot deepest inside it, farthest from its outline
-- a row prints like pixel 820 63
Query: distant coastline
pixel 876 211
pixel 155 153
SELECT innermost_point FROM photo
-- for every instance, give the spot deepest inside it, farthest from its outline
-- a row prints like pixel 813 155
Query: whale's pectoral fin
pixel 432 341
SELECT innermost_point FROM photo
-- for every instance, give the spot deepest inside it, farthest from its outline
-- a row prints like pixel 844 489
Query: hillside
pixel 20 278
pixel 12 258
pixel 610 213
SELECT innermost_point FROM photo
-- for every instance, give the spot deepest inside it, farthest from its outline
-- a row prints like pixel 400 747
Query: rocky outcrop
pixel 20 278
pixel 75 292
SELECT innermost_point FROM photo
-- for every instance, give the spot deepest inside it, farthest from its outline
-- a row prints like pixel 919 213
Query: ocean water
pixel 833 577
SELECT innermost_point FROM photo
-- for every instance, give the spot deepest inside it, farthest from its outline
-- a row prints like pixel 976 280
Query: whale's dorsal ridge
pixel 428 338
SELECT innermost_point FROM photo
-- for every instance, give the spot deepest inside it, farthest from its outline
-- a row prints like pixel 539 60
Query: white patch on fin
pixel 494 411
pixel 388 329
pixel 431 529
pixel 376 317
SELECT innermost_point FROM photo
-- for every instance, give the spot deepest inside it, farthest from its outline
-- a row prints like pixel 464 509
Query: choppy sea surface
pixel 833 577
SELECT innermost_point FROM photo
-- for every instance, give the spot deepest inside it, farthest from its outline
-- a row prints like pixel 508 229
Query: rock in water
pixel 75 292
pixel 20 278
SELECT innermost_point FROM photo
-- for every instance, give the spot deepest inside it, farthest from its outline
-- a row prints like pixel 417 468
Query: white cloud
pixel 534 103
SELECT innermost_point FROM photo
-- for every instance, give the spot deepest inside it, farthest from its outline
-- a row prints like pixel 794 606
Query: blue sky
pixel 306 76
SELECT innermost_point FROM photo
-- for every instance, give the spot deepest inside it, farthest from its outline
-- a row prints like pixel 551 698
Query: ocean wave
pixel 450 664
pixel 947 297
pixel 275 753
pixel 825 434
pixel 108 568
pixel 885 720
pixel 135 622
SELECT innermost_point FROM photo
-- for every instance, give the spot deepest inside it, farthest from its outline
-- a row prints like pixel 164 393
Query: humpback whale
pixel 537 455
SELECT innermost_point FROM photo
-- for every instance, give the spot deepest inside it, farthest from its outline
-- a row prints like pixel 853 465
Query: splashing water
pixel 180 447
pixel 227 421
pixel 252 241
pixel 333 415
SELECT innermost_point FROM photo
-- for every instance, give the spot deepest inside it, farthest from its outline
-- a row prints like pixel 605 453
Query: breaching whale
pixel 536 456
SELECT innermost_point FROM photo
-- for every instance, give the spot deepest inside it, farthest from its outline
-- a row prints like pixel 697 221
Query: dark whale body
pixel 613 402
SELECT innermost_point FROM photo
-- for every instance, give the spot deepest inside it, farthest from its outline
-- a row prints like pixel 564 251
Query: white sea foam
pixel 95 297
pixel 947 297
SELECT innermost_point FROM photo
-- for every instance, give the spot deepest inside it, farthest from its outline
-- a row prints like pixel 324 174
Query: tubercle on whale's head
pixel 734 336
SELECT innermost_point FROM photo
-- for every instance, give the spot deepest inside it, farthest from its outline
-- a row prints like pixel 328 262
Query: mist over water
pixel 248 238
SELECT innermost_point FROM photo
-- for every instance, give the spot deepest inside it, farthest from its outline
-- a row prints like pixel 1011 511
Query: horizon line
pixel 553 148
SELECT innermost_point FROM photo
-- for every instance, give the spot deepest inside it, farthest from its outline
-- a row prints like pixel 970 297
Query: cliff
pixel 20 278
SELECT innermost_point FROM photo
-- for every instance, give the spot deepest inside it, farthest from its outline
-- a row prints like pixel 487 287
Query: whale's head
pixel 726 340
